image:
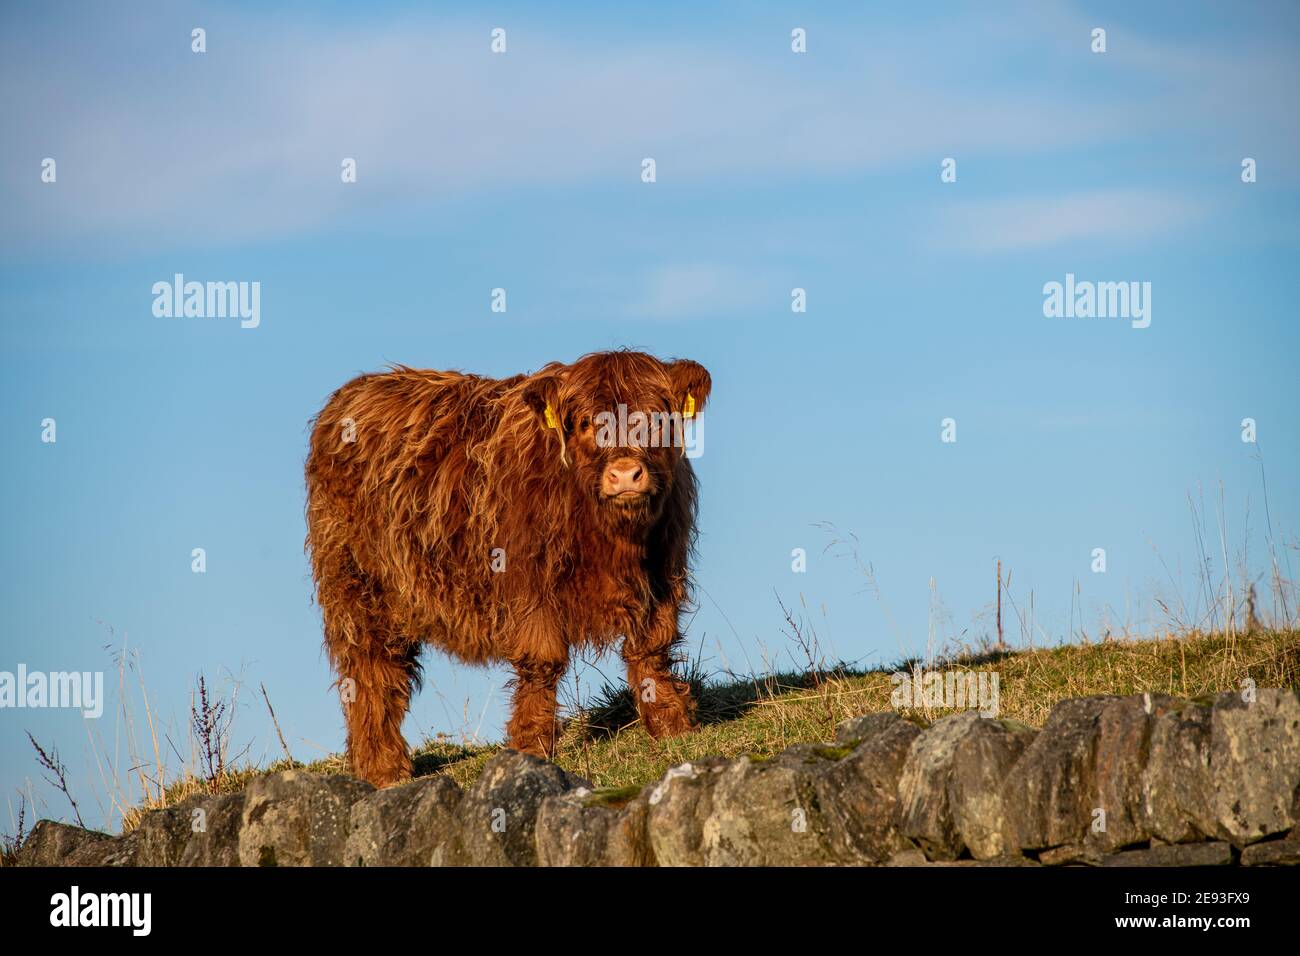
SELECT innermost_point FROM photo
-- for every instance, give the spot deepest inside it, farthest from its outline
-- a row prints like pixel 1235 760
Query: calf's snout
pixel 625 476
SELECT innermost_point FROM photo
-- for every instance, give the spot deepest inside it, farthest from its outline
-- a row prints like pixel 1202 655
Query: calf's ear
pixel 541 394
pixel 690 384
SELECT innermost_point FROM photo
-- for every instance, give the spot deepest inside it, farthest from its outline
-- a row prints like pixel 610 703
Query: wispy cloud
pixel 160 146
pixel 694 291
pixel 1013 224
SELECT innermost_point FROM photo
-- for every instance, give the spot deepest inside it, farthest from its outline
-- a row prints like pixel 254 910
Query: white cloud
pixel 694 291
pixel 162 147
pixel 1015 223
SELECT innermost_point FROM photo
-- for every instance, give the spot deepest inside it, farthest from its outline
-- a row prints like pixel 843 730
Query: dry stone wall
pixel 1144 780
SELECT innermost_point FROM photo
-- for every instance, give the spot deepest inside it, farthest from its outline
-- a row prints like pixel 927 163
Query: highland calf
pixel 495 519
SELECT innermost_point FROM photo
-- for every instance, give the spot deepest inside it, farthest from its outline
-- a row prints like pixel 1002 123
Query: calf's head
pixel 617 421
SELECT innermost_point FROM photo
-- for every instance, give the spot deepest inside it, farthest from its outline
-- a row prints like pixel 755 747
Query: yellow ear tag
pixel 551 421
pixel 688 411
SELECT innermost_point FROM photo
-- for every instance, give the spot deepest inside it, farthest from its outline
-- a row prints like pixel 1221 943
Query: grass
pixel 762 716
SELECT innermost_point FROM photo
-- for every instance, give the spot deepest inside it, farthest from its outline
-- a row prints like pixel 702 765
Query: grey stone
pixel 161 836
pixel 496 818
pixel 917 858
pixel 768 812
pixel 858 794
pixel 213 838
pixel 1182 854
pixel 911 857
pixel 678 807
pixel 296 818
pixel 600 828
pixel 1254 765
pixel 1110 773
pixel 949 793
pixel 1050 794
pixel 408 825
pixel 1227 769
pixel 853 731
pixel 1072 854
pixel 1175 780
pixel 119 851
pixel 54 844
pixel 1122 753
pixel 1000 861
pixel 809 805
pixel 1283 852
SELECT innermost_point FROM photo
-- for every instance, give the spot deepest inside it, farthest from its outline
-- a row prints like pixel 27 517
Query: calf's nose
pixel 626 475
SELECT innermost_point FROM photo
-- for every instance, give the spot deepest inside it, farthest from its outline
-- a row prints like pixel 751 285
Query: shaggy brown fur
pixel 444 508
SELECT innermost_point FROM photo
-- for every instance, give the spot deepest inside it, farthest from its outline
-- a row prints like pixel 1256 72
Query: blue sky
pixel 774 171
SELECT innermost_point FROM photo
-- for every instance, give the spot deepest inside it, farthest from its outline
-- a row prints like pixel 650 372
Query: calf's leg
pixel 663 702
pixel 377 672
pixel 533 727
pixel 384 679
pixel 540 656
